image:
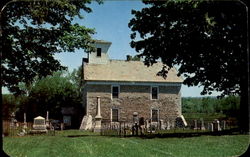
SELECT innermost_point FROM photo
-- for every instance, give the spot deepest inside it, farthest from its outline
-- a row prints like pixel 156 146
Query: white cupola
pixel 100 55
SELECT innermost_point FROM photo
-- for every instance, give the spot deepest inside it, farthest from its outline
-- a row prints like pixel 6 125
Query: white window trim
pixel 158 114
pixel 111 115
pixel 112 91
pixel 151 92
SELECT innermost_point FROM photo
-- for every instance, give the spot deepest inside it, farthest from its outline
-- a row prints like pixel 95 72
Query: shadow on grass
pixel 234 131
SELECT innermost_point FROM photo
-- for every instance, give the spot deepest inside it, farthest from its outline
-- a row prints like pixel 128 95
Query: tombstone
pixel 135 117
pixel 146 124
pixel 98 117
pixel 39 125
pixel 211 127
pixel 62 126
pixel 202 125
pixel 162 126
pixel 216 123
pixel 168 125
pixel 47 120
pixel 195 125
pixel 12 120
pixel 224 124
pixel 86 123
pixel 24 121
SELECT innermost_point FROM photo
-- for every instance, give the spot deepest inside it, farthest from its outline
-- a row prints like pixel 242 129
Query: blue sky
pixel 110 21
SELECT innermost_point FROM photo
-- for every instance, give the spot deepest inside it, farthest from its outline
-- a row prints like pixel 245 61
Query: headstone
pixel 211 127
pixel 146 124
pixel 168 125
pixel 86 123
pixel 12 120
pixel 47 119
pixel 39 125
pixel 195 125
pixel 224 124
pixel 216 123
pixel 135 117
pixel 180 122
pixel 24 121
pixel 162 126
pixel 202 125
pixel 98 117
pixel 62 126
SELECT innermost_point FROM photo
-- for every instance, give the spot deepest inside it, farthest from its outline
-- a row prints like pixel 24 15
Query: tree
pixel 206 39
pixel 51 93
pixel 33 31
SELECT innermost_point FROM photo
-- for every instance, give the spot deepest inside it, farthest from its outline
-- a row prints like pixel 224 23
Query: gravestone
pixel 39 125
pixel 86 123
pixel 162 125
pixel 135 117
pixel 211 127
pixel 180 122
pixel 224 124
pixel 195 125
pixel 12 120
pixel 216 123
pixel 24 121
pixel 202 125
pixel 168 125
pixel 47 120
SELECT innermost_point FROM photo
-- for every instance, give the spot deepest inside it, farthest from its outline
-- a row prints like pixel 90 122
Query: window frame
pixel 118 94
pixel 158 114
pixel 118 114
pixel 151 93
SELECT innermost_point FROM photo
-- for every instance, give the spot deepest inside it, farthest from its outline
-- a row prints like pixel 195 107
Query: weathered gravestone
pixel 39 125
pixel 195 125
pixel 216 123
pixel 202 125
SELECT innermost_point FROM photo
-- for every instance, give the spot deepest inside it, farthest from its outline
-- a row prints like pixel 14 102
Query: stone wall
pixel 133 98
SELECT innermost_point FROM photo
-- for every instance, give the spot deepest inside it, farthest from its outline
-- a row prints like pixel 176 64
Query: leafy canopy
pixel 33 31
pixel 207 39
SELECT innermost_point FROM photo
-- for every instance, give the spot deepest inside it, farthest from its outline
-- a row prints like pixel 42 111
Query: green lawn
pixel 90 145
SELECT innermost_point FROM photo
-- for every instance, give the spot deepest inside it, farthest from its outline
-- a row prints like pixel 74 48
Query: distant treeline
pixel 227 105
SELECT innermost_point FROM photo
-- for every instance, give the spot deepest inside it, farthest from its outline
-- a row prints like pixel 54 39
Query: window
pixel 99 52
pixel 154 92
pixel 115 91
pixel 155 115
pixel 114 115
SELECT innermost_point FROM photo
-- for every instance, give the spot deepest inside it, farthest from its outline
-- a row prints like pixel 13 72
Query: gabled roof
pixel 129 71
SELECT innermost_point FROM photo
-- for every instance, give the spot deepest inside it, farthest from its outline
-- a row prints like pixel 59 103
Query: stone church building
pixel 126 89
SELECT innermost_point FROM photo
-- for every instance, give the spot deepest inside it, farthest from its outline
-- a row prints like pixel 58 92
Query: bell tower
pixel 100 55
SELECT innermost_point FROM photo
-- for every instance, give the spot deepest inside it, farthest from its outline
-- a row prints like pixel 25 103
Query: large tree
pixel 206 39
pixel 33 31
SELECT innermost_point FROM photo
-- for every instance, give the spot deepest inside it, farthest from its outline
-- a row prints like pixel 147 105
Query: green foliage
pixel 52 93
pixel 10 104
pixel 207 39
pixel 229 105
pixel 33 31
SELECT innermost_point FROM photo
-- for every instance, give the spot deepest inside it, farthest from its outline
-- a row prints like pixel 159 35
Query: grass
pixel 77 143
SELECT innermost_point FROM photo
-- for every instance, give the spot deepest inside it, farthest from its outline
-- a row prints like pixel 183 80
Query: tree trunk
pixel 244 119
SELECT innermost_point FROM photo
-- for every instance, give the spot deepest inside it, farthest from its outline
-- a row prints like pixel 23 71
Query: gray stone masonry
pixel 133 98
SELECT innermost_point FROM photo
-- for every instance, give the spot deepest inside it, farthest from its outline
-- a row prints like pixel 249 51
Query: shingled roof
pixel 129 71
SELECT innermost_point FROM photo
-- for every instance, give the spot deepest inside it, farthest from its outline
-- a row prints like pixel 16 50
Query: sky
pixel 110 21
